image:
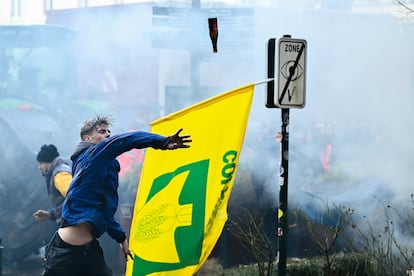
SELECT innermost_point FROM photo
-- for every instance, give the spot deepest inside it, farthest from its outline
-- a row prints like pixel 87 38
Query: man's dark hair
pixel 90 125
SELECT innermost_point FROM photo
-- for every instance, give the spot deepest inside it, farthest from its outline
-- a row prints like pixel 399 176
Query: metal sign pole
pixel 283 195
pixel 291 94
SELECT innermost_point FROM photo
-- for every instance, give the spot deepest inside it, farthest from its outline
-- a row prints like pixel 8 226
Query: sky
pixel 359 90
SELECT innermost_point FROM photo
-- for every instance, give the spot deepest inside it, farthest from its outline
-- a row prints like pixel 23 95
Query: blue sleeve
pixel 115 231
pixel 120 143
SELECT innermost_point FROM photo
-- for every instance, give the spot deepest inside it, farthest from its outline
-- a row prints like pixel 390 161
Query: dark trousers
pixel 63 259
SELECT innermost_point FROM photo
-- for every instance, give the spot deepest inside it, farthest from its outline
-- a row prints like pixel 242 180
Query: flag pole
pixel 264 81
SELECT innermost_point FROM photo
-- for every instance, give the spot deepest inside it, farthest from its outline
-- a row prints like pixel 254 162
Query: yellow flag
pixel 181 204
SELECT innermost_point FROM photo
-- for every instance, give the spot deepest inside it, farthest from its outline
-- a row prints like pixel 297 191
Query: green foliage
pixel 304 267
pixel 349 246
pixel 244 270
pixel 355 264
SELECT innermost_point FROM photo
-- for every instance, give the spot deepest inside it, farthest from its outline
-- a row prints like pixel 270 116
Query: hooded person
pixel 57 173
pixel 92 199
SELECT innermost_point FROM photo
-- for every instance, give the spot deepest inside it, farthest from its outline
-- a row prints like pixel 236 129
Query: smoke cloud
pixel 350 144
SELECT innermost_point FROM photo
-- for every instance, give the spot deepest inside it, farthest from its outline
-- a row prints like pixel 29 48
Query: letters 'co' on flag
pixel 181 204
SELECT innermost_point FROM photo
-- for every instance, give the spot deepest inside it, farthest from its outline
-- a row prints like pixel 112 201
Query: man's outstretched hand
pixel 176 141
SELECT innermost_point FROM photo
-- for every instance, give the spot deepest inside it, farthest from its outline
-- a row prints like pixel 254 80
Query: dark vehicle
pixel 40 102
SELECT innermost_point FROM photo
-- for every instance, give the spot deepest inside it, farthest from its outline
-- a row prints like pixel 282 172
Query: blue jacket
pixel 93 194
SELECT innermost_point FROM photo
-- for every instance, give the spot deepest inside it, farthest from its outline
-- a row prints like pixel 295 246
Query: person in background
pixel 58 176
pixel 92 198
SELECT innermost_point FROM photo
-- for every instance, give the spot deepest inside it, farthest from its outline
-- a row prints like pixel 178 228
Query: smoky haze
pixel 359 94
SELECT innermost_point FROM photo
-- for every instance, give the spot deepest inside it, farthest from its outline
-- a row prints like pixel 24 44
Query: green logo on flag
pixel 174 213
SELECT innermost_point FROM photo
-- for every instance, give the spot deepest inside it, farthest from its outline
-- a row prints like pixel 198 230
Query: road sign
pixel 292 73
